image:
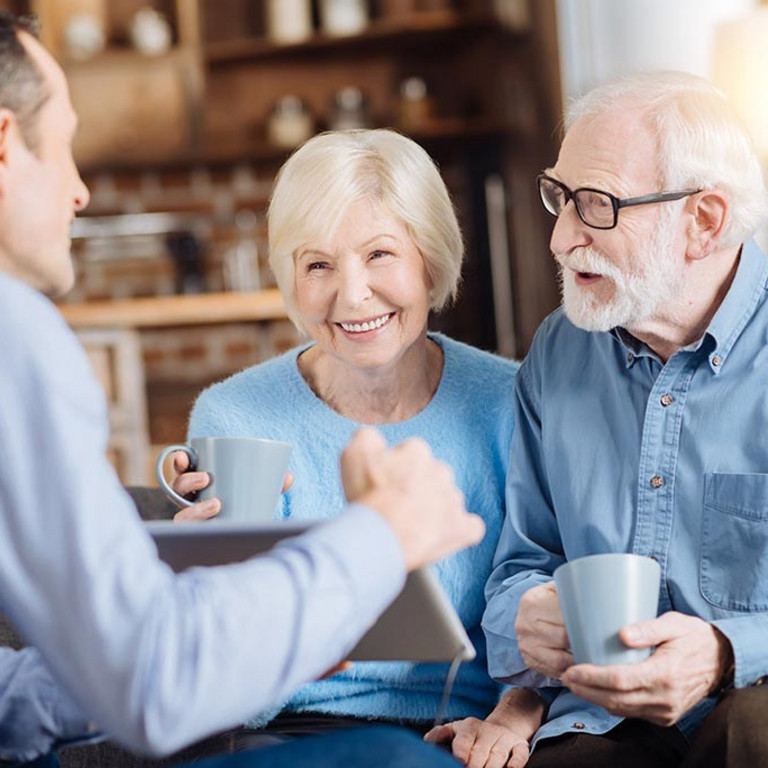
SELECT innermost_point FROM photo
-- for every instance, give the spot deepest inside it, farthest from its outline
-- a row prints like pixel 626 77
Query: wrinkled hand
pixel 413 492
pixel 541 634
pixel 481 744
pixel 688 663
pixel 186 483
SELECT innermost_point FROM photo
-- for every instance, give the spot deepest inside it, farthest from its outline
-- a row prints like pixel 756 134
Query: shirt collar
pixel 739 303
pixel 633 348
pixel 732 315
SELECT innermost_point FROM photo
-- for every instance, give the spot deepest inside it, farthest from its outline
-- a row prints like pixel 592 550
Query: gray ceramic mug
pixel 600 594
pixel 247 474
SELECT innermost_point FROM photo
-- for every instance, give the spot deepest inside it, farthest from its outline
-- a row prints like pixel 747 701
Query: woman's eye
pixel 379 254
pixel 316 265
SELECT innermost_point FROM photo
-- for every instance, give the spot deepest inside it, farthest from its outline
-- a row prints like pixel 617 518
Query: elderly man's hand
pixel 541 634
pixel 690 659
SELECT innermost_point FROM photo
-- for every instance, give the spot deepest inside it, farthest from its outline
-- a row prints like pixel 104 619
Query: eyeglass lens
pixel 595 208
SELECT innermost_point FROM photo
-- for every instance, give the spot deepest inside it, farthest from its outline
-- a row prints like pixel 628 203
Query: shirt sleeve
pixel 161 659
pixel 35 713
pixel 529 547
pixel 747 637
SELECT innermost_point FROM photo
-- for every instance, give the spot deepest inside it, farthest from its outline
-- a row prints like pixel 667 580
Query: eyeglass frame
pixel 617 203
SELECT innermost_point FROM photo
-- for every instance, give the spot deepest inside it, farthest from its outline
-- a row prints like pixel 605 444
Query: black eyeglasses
pixel 597 209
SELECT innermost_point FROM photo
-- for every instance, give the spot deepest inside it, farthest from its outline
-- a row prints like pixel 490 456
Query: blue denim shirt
pixel 599 416
pixel 35 714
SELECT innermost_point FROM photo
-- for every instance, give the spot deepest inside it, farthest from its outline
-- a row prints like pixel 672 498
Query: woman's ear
pixel 708 212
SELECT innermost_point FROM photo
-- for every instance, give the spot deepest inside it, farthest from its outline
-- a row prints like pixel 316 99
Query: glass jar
pixel 290 123
pixel 343 17
pixel 289 21
pixel 349 110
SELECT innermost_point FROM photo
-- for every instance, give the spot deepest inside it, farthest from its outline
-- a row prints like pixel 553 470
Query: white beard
pixel 637 296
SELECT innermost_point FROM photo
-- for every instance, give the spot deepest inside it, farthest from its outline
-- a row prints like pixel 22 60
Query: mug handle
pixel 169 492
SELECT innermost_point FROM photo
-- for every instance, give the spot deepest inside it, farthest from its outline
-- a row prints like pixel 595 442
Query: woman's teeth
pixel 362 327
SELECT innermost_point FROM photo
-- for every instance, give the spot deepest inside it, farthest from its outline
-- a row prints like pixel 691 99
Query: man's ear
pixel 708 211
pixel 8 127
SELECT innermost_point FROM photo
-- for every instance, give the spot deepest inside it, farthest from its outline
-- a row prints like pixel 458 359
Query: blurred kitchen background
pixel 189 107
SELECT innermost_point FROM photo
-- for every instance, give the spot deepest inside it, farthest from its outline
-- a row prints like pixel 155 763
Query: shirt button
pixel 762 680
pixel 666 400
pixel 657 481
pixel 630 357
pixel 716 360
pixel 579 726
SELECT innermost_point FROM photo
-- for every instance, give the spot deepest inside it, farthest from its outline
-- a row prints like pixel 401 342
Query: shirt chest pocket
pixel 734 542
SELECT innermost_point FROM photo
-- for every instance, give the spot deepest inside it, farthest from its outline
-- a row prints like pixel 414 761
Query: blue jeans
pixel 47 761
pixel 375 747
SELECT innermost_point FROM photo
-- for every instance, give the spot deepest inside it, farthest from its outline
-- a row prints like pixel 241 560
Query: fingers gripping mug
pixel 246 474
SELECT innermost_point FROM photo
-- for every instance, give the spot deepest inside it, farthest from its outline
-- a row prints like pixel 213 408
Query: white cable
pixel 449 681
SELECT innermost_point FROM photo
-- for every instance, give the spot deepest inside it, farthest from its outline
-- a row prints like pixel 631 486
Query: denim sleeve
pixel 35 713
pixel 747 636
pixel 529 547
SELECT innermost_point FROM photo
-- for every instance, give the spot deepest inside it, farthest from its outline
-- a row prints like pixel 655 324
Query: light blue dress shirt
pixel 158 660
pixel 615 451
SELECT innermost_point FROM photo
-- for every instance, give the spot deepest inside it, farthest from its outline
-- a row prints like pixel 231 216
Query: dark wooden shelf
pixel 226 150
pixel 408 30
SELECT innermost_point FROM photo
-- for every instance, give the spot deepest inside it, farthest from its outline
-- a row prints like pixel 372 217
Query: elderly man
pixel 642 415
pixel 157 659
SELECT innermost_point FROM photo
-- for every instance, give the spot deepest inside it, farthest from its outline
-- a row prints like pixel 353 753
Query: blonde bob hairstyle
pixel 701 142
pixel 318 183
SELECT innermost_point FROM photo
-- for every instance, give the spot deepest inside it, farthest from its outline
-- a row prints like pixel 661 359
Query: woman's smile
pixel 365 327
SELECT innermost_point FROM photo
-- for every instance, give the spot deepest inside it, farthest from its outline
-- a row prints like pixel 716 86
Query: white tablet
pixel 420 625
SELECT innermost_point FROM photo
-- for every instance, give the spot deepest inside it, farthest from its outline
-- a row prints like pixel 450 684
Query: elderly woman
pixel 364 242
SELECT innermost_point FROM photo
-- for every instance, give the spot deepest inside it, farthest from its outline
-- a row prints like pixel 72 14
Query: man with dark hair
pixel 158 659
pixel 22 89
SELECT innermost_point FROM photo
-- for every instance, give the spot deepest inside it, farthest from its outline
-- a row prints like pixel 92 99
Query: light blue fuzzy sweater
pixel 468 423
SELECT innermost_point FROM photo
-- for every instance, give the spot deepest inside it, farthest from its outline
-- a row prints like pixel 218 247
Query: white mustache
pixel 586 259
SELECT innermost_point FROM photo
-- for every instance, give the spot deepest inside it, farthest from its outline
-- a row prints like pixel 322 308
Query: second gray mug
pixel 600 594
pixel 246 473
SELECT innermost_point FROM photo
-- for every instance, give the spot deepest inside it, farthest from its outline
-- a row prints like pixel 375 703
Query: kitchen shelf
pixel 224 150
pixel 193 309
pixel 389 31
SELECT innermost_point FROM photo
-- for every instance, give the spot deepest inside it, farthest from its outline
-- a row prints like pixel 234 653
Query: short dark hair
pixel 22 87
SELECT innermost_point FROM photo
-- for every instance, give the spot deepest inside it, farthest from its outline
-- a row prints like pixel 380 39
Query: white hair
pixel 701 142
pixel 318 183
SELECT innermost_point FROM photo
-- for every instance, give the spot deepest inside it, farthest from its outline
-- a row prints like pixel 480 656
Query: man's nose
pixel 82 194
pixel 569 231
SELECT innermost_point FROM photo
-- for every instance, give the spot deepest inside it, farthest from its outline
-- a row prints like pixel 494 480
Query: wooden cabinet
pixel 133 107
pixel 207 102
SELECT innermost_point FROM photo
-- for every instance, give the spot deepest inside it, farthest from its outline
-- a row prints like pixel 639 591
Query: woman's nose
pixel 354 287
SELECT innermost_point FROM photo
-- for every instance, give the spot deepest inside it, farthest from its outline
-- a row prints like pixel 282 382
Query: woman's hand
pixel 482 744
pixel 192 482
